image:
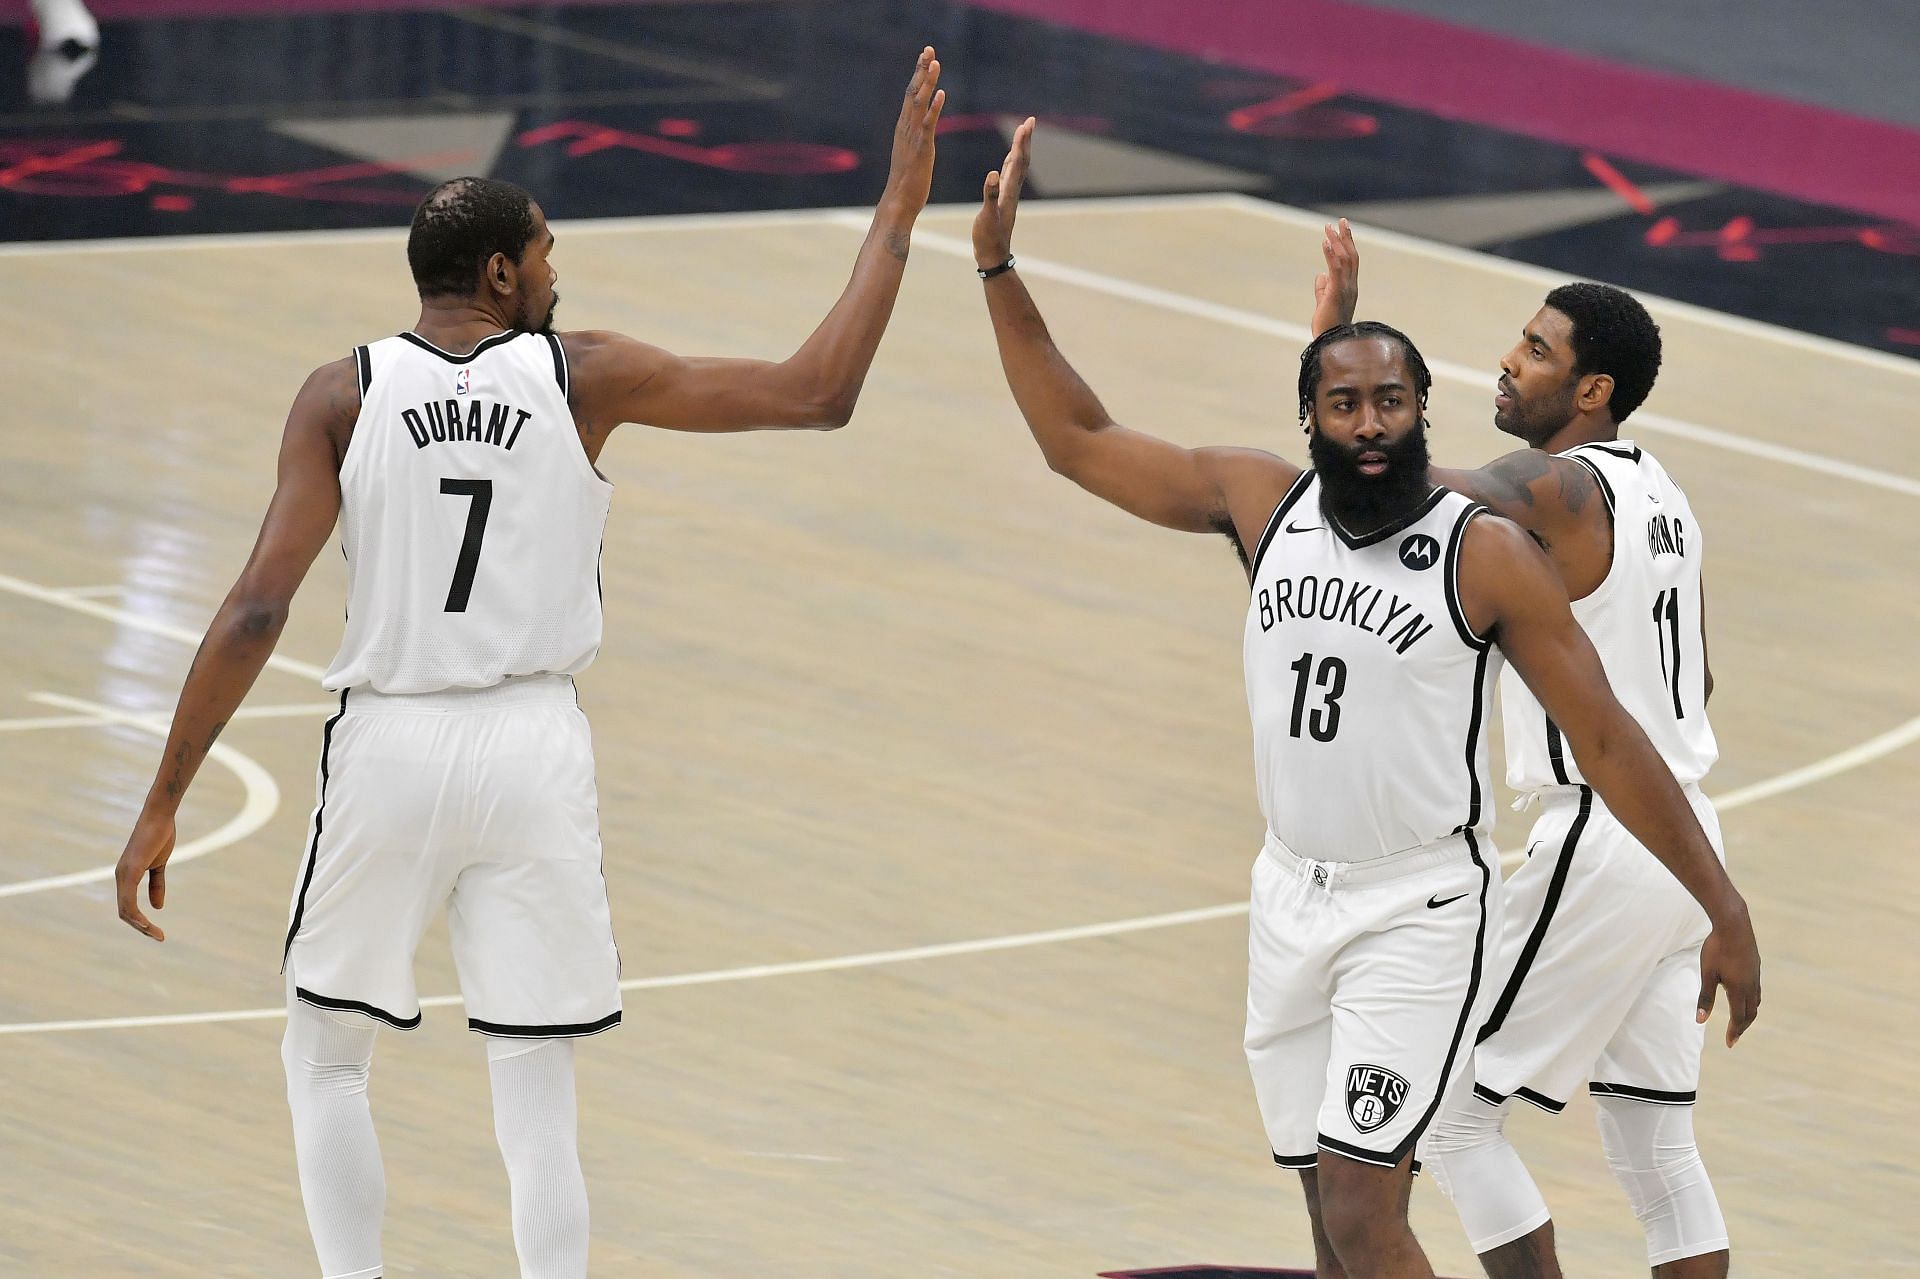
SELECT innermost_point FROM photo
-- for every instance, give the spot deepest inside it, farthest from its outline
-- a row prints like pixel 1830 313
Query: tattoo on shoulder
pixel 1576 486
pixel 898 243
pixel 1510 479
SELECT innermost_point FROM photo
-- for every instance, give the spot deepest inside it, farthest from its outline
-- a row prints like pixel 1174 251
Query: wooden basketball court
pixel 924 777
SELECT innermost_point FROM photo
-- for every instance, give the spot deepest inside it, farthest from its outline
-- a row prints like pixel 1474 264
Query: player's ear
pixel 500 274
pixel 1595 390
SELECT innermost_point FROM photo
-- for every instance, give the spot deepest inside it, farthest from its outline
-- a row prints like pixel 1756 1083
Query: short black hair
pixel 1612 334
pixel 1310 359
pixel 462 224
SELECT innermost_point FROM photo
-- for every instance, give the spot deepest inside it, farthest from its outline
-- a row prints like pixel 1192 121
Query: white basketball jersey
pixel 470 517
pixel 1370 694
pixel 1645 622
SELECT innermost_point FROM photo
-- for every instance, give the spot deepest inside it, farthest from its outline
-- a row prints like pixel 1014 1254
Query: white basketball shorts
pixel 1365 981
pixel 481 800
pixel 1599 972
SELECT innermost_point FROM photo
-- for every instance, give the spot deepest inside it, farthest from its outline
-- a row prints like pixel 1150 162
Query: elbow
pixel 257 620
pixel 835 412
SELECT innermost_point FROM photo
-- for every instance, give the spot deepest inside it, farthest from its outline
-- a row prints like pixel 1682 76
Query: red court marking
pixel 785 159
pixel 172 203
pixel 1906 337
pixel 1617 182
pixel 37 163
pixel 1299 114
pixel 677 128
pixel 1663 231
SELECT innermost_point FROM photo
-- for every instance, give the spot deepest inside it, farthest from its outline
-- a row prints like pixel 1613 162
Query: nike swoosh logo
pixel 1437 903
pixel 1530 848
pixel 1311 528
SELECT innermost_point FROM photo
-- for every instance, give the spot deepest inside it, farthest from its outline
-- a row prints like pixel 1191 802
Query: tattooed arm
pixel 1556 500
pixel 306 503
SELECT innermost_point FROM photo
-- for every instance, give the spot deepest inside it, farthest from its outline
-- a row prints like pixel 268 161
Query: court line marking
pixel 262 799
pixel 164 719
pixel 139 622
pixel 1200 308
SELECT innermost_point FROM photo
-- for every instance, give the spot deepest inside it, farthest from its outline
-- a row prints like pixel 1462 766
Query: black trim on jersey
pixel 1295 491
pixel 1489 1096
pixel 1540 1099
pixel 486 344
pixel 1557 753
pixel 1400 525
pixel 1481 696
pixel 1630 452
pixel 1653 1095
pixel 559 364
pixel 306 996
pixel 363 366
pixel 1379 1159
pixel 1555 887
pixel 1298 1163
pixel 313 849
pixel 1606 489
pixel 575 1031
pixel 1487 880
pixel 1452 582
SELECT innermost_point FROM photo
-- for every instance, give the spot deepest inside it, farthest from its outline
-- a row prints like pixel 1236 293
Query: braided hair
pixel 1310 359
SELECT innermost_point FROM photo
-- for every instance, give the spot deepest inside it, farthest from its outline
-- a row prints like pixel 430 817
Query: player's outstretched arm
pixel 1194 490
pixel 1336 290
pixel 1554 498
pixel 306 503
pixel 1507 582
pixel 616 379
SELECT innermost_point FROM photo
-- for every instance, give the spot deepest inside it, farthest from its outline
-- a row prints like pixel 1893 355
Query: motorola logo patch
pixel 1419 552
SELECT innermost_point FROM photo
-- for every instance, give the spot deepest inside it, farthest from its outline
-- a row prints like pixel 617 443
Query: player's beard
pixel 1363 503
pixel 523 321
pixel 1540 418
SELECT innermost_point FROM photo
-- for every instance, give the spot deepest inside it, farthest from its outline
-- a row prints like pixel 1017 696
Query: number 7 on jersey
pixel 480 500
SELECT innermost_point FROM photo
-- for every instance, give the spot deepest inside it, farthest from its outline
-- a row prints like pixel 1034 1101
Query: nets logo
pixel 463 380
pixel 1374 1095
pixel 1419 552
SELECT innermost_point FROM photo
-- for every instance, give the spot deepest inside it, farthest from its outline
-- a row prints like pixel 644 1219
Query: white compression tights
pixel 329 1058
pixel 1651 1151
pixel 1475 1165
pixel 537 1123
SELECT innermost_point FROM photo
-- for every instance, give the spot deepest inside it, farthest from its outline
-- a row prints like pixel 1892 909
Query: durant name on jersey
pixel 441 421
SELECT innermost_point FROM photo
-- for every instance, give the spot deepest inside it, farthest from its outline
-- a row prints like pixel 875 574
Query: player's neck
pixel 458 324
pixel 1587 428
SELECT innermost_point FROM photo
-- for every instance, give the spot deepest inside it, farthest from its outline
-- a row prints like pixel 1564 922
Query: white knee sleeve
pixel 329 1057
pixel 536 1120
pixel 1650 1149
pixel 1474 1165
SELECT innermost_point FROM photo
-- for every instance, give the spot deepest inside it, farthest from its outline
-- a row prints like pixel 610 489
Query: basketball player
pixel 1382 607
pixel 1617 1015
pixel 459 460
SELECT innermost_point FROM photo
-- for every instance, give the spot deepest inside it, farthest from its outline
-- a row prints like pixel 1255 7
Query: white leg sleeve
pixel 1651 1151
pixel 1474 1165
pixel 535 1118
pixel 329 1057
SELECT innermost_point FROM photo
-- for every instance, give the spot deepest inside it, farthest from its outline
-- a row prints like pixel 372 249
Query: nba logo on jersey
pixel 461 381
pixel 1374 1095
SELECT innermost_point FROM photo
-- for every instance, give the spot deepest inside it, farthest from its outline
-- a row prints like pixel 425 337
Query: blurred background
pixel 1761 157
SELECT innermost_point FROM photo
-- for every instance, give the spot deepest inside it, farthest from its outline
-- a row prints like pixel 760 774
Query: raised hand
pixel 910 176
pixel 1336 291
pixel 1000 201
pixel 145 859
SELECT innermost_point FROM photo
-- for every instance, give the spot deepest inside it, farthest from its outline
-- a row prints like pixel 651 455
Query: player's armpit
pixel 617 379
